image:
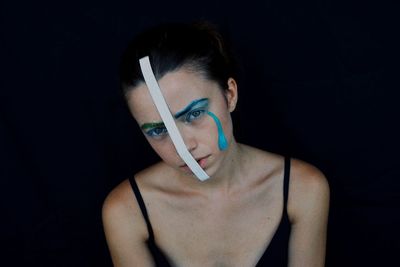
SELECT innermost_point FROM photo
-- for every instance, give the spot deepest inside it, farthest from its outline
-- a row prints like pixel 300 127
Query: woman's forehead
pixel 179 90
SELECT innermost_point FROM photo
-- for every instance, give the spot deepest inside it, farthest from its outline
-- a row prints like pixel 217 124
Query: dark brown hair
pixel 196 46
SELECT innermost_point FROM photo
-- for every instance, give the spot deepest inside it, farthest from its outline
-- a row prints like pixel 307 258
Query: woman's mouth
pixel 201 161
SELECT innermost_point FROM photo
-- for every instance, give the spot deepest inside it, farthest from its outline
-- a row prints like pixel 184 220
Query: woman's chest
pixel 236 235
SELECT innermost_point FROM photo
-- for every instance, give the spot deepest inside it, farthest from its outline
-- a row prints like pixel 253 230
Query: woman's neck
pixel 229 175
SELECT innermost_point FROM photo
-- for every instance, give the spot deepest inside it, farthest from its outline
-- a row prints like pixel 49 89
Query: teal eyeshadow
pixel 190 107
pixel 198 103
pixel 222 143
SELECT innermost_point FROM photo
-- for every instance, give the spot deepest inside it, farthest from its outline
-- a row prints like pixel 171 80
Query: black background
pixel 318 81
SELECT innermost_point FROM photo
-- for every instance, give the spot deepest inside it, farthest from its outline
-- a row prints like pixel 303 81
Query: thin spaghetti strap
pixel 142 206
pixel 286 182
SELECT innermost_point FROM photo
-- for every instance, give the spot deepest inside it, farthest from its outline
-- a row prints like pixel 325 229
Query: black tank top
pixel 276 254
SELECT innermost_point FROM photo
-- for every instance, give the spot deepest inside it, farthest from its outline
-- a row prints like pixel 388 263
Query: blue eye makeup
pixel 157 132
pixel 192 112
pixel 154 129
pixel 194 115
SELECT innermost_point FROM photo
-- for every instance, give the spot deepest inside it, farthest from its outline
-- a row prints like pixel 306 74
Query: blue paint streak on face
pixel 195 103
pixel 222 143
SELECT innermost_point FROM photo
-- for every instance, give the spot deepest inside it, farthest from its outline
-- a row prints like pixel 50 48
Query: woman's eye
pixel 157 132
pixel 194 115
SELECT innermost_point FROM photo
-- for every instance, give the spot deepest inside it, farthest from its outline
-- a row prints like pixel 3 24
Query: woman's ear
pixel 231 94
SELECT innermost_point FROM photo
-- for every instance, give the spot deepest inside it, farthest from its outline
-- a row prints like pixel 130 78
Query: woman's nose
pixel 189 138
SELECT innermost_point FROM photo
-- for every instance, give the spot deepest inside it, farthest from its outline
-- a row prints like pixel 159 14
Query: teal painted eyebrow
pixel 189 107
pixel 151 125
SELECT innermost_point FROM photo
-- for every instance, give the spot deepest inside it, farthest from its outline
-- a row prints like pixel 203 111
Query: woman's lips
pixel 201 161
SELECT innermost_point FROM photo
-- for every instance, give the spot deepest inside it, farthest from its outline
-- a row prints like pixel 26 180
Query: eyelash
pixel 152 133
pixel 187 119
pixel 191 113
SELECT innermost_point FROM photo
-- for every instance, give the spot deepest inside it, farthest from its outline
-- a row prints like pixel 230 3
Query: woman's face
pixel 191 99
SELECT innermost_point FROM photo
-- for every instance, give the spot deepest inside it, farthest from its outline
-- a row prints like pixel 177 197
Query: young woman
pixel 256 209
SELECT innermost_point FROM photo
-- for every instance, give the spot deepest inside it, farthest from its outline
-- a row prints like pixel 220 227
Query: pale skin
pixel 227 220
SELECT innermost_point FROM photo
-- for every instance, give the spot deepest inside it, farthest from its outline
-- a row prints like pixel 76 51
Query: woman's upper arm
pixel 125 229
pixel 308 208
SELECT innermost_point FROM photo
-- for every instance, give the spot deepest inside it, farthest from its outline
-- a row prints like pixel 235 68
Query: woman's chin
pixel 187 172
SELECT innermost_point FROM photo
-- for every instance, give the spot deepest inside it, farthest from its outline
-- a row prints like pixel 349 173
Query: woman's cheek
pixel 226 124
pixel 165 149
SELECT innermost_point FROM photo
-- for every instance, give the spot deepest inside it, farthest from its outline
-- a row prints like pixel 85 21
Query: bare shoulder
pixel 119 200
pixel 125 228
pixel 120 210
pixel 121 203
pixel 308 191
pixel 305 176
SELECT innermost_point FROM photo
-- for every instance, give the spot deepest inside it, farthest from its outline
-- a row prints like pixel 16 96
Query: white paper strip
pixel 168 120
